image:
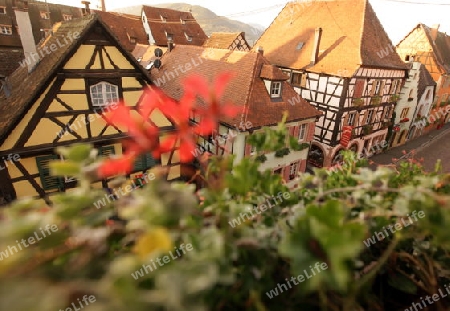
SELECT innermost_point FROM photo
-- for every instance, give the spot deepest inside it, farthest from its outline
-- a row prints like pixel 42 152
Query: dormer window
pixel 6 30
pixel 2 10
pixel 169 36
pixel 183 21
pixel 103 93
pixel 67 17
pixel 45 15
pixel 275 89
pixel 164 20
pixel 189 38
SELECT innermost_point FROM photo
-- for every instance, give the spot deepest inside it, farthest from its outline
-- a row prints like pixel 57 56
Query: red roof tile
pixel 181 25
pixel 246 90
pixel 351 37
pixel 128 29
pixel 273 73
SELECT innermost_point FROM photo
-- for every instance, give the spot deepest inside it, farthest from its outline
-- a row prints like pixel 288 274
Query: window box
pixel 282 152
pixel 375 101
pixel 367 129
pixel 394 98
pixel 358 102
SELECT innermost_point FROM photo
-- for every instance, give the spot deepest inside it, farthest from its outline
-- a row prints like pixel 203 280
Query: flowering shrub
pixel 117 253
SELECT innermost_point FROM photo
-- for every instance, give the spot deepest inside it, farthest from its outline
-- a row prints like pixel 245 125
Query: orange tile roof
pixel 221 40
pixel 273 73
pixel 246 90
pixel 174 26
pixel 125 27
pixel 351 37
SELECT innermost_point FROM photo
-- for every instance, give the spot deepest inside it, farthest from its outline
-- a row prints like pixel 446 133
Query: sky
pixel 398 17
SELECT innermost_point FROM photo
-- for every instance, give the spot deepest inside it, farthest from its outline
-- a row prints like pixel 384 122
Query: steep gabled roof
pixel 27 87
pixel 173 25
pixel 247 89
pixel 425 80
pixel 222 40
pixel 441 48
pixel 351 37
pixel 125 27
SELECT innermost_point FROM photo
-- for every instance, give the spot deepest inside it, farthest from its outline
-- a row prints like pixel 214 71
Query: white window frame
pixel 67 17
pixel 169 36
pixel 183 21
pixel 302 128
pixel 404 113
pixel 6 30
pixel 164 20
pixel 370 113
pixel 352 117
pixel 189 38
pixel 293 170
pixel 2 10
pixel 114 95
pixel 275 89
pixel 44 15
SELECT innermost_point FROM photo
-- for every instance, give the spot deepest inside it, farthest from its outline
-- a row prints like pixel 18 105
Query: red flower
pixel 210 116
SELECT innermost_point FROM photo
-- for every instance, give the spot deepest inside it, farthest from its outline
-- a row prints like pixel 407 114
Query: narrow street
pixel 431 147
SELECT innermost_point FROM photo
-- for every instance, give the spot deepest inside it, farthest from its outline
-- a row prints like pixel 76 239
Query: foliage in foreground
pixel 326 219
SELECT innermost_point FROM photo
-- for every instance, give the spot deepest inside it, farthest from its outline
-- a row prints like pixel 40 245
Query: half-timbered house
pixel 59 103
pixel 262 92
pixel 413 105
pixel 431 47
pixel 228 40
pixel 329 49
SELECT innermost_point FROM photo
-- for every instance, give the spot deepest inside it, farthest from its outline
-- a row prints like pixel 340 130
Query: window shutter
pixel 286 170
pixel 248 149
pixel 359 88
pixel 48 181
pixel 144 162
pixel 302 166
pixel 106 151
pixel 310 132
pixel 296 131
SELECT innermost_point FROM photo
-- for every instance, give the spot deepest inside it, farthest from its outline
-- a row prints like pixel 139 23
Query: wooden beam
pixel 42 193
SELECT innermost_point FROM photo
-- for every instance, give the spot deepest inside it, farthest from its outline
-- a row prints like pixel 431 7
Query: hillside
pixel 207 19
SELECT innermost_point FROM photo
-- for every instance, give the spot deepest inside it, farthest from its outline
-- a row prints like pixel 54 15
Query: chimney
pixel 170 44
pixel 261 50
pixel 86 10
pixel 315 51
pixel 26 34
pixel 103 6
pixel 434 31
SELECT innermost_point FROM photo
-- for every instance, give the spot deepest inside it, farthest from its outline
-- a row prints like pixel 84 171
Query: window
pixel 2 10
pixel 275 89
pixel 67 17
pixel 189 38
pixel 293 169
pixel 298 79
pixel 182 21
pixel 45 15
pixel 351 119
pixel 404 113
pixel 387 113
pixel 278 171
pixel 302 132
pixel 6 30
pixel 103 93
pixel 377 88
pixel 48 181
pixel 163 19
pixel 169 36
pixel 394 87
pixel 369 116
pixel 144 19
pixel 428 94
pixel 410 96
pixel 144 162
